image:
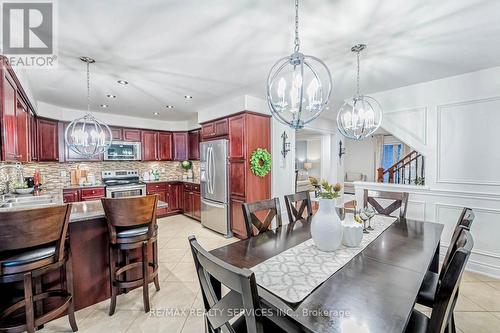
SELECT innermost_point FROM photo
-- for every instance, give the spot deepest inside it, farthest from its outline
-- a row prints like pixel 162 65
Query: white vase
pixel 326 228
pixel 352 234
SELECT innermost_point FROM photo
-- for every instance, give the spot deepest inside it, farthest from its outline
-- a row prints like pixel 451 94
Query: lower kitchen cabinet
pixel 192 201
pixel 169 192
pixel 83 194
pixel 71 196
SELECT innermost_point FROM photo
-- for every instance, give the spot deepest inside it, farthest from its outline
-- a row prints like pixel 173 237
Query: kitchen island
pixel 89 245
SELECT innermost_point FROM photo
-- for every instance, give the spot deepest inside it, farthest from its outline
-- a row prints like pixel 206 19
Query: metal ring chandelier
pixel 298 86
pixel 361 115
pixel 86 135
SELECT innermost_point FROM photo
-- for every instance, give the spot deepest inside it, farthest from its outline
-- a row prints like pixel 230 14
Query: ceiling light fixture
pixel 298 86
pixel 86 135
pixel 122 82
pixel 361 115
pixel 156 113
pixel 188 96
pixel 104 106
pixel 169 106
pixel 110 96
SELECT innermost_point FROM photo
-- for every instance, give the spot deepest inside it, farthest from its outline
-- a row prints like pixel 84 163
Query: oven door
pixel 125 191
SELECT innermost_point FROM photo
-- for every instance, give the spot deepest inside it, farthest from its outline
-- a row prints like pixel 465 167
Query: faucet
pixel 19 167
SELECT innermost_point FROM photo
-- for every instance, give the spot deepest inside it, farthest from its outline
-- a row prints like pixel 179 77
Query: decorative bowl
pixel 24 190
pixel 352 233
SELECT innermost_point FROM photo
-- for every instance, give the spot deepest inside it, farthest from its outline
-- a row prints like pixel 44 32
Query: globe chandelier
pixel 87 136
pixel 298 86
pixel 361 115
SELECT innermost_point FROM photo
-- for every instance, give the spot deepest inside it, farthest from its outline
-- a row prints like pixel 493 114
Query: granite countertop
pixel 73 187
pixel 190 181
pixel 89 210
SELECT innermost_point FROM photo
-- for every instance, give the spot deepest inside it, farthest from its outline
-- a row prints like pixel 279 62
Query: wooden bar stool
pixel 32 244
pixel 132 225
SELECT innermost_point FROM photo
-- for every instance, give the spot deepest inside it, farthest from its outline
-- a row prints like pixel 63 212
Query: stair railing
pixel 408 170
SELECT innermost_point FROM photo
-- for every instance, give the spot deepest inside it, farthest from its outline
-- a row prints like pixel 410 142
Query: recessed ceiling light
pixel 188 96
pixel 156 113
pixel 122 82
pixel 104 106
pixel 169 106
pixel 110 96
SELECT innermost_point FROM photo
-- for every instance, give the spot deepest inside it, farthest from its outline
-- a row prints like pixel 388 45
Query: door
pixel 214 216
pixel 48 136
pixel 72 156
pixel 194 145
pixel 149 146
pixel 116 132
pixel 180 146
pixel 196 205
pixel 33 137
pixel 165 146
pixel 9 121
pixel 133 135
pixel 213 169
pixel 22 133
pixel 187 203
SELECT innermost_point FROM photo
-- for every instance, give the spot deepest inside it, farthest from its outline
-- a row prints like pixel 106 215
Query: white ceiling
pixel 219 49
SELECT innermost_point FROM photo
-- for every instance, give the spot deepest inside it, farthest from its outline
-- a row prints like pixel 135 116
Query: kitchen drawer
pixel 156 187
pixel 192 187
pixel 95 192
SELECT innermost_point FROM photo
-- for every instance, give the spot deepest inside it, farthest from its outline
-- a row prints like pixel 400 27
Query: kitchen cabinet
pixel 192 201
pixel 132 135
pixel 236 137
pixel 71 195
pixel 117 133
pixel 33 141
pixel 194 145
pixel 174 197
pixel 22 132
pixel 180 146
pixel 149 145
pixel 48 140
pixel 165 146
pixel 9 128
pixel 72 156
pixel 83 194
pixel 215 128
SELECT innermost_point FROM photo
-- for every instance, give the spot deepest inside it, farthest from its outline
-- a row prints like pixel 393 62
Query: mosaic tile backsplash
pixel 54 182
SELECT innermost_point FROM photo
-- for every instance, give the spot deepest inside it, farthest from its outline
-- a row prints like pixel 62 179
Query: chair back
pixel 266 208
pixel 400 201
pixel 212 272
pixel 447 292
pixel 130 212
pixel 302 200
pixel 27 228
pixel 464 223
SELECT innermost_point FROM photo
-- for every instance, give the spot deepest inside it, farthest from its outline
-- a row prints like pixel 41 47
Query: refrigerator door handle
pixel 212 170
pixel 212 204
pixel 210 167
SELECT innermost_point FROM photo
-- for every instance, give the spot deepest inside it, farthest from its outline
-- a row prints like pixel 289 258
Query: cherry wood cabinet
pixel 83 194
pixel 9 128
pixel 215 128
pixel 70 195
pixel 68 154
pixel 33 136
pixel 130 134
pixel 180 146
pixel 169 192
pixel 48 140
pixel 117 133
pixel 174 196
pixel 236 137
pixel 22 132
pixel 194 145
pixel 149 145
pixel 192 201
pixel 165 146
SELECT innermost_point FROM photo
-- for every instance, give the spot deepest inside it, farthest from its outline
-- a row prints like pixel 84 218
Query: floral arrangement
pixel 329 191
pixel 260 162
pixel 186 165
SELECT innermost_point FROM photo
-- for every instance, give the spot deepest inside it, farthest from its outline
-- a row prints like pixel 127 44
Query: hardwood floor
pixel 178 306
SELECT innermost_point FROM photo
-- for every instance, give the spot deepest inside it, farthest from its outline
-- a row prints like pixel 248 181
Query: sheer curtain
pixel 378 142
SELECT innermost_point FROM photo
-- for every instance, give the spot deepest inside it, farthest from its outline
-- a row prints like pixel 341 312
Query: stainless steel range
pixel 123 183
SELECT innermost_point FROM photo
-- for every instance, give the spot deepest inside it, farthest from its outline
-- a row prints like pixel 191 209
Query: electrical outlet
pixel 63 174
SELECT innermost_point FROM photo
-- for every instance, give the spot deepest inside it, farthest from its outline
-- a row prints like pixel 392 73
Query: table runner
pixel 293 274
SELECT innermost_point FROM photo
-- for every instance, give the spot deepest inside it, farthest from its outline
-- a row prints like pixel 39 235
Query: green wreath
pixel 260 162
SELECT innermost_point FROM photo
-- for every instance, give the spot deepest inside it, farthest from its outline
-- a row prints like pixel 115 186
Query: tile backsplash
pixel 56 176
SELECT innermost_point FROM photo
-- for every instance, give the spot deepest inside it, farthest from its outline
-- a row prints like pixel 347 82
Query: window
pixel 392 154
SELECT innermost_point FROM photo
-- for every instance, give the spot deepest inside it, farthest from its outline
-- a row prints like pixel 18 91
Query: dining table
pixel 374 292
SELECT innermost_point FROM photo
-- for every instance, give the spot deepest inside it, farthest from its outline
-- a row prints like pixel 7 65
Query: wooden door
pixel 208 130
pixel 194 145
pixel 117 133
pixel 149 146
pixel 22 132
pixel 132 135
pixel 33 137
pixel 187 203
pixel 196 199
pixel 9 127
pixel 165 146
pixel 48 140
pixel 237 137
pixel 70 196
pixel 221 127
pixel 237 220
pixel 180 146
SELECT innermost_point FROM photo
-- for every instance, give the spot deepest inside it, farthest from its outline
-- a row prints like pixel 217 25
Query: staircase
pixel 408 170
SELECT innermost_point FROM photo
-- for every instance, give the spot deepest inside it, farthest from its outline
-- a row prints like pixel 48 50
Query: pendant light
pixel 298 86
pixel 87 136
pixel 361 115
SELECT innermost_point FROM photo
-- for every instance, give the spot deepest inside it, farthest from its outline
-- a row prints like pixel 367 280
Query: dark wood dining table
pixel 374 292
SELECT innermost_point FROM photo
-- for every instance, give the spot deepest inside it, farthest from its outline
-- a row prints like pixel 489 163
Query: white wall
pixel 360 157
pixel 454 122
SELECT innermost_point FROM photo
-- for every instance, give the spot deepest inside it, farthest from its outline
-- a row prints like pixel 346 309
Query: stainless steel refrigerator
pixel 214 186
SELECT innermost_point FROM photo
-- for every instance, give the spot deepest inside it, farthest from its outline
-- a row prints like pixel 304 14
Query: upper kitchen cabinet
pixel 22 132
pixel 180 146
pixel 215 129
pixel 165 146
pixel 48 139
pixel 9 151
pixel 117 133
pixel 70 155
pixel 149 146
pixel 194 145
pixel 132 135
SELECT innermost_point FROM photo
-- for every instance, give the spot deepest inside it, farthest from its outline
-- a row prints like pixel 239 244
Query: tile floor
pixel 477 311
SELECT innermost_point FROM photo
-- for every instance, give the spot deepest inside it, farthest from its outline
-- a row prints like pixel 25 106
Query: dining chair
pixel 441 319
pixel 269 209
pixel 427 293
pixel 400 201
pixel 242 295
pixel 302 200
pixel 132 225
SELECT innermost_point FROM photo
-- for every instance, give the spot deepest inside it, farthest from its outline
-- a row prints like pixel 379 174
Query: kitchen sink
pixel 28 201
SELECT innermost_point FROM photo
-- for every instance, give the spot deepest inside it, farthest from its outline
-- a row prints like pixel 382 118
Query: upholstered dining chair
pixel 269 209
pixel 212 272
pixel 441 319
pixel 297 204
pixel 399 201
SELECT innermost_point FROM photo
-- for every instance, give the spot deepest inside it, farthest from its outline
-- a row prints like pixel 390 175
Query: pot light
pixel 110 96
pixel 156 113
pixel 188 96
pixel 104 106
pixel 169 106
pixel 122 82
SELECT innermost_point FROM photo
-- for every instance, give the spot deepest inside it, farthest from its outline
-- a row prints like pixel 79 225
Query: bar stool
pixel 32 244
pixel 132 225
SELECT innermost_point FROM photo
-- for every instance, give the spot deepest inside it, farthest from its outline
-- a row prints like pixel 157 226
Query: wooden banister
pixel 401 171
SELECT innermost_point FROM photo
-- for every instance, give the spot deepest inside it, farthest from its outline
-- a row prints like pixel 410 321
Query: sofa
pixel 302 182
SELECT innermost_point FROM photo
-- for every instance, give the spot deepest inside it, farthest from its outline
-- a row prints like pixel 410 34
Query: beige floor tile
pixel 62 324
pixel 129 301
pixel 165 269
pixel 482 294
pixel 477 322
pixel 478 277
pixel 464 304
pixel 496 314
pixel 194 324
pixel 100 321
pixel 158 321
pixel 175 295
pixel 495 284
pixel 171 255
pixel 183 272
pixel 177 243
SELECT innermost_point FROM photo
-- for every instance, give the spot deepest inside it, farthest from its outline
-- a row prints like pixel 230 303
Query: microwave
pixel 123 151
